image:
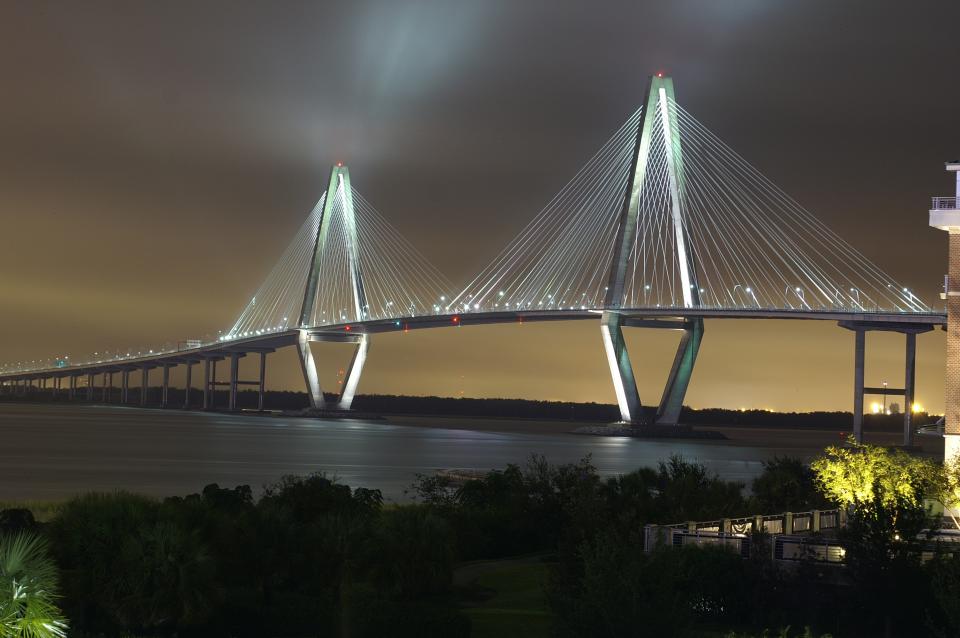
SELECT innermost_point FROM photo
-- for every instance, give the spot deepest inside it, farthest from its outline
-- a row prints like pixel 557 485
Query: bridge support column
pixel 679 379
pixel 621 372
pixel 206 384
pixel 263 379
pixel 213 384
pixel 72 387
pixel 125 386
pixel 234 378
pixel 186 386
pixel 144 384
pixel 103 390
pixel 910 332
pixel 90 386
pixel 858 360
pixel 165 390
pixel 110 387
pixel 909 377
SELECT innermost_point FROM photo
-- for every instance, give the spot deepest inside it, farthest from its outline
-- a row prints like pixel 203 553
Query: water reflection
pixel 52 451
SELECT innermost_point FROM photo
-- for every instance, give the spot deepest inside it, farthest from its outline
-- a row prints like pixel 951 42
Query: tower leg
pixel 310 375
pixel 859 346
pixel 628 399
pixel 679 379
pixel 909 380
pixel 354 372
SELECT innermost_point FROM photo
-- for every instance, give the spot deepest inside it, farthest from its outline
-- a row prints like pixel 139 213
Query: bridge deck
pixel 272 341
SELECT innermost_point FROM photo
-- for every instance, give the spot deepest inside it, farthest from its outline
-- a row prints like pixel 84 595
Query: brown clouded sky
pixel 155 158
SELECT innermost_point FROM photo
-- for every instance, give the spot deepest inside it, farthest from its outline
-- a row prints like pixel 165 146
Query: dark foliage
pixel 16 520
pixel 220 564
pixel 312 557
pixel 787 483
pixel 943 616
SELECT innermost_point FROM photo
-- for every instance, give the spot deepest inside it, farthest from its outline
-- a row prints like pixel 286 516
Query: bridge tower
pixel 945 215
pixel 339 193
pixel 659 101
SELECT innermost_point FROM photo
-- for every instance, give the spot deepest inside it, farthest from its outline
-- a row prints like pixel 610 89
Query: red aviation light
pixel 659 74
pixel 347 328
pixel 456 319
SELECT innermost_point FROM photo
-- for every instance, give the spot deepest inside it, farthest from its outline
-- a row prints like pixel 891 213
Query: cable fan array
pixel 395 280
pixel 749 245
pixel 561 260
pixel 277 302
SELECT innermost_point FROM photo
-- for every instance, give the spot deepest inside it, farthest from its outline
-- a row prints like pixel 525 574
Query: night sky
pixel 155 159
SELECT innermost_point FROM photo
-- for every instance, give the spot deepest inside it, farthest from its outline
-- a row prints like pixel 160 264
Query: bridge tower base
pixel 621 369
pixel 311 376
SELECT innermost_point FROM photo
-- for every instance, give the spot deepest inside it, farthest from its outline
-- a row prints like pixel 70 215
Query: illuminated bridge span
pixel 663 227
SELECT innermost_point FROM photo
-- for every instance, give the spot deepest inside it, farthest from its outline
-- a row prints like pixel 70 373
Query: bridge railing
pixel 944 203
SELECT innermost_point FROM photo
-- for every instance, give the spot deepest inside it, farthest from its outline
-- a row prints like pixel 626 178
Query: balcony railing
pixel 944 203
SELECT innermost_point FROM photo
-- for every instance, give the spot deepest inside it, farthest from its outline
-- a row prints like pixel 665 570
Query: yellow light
pixel 875 407
pixel 917 407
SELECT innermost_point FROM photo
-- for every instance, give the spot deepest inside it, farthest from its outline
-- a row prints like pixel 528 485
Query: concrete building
pixel 945 215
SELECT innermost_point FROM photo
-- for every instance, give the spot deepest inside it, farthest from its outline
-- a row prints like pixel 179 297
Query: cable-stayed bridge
pixel 663 227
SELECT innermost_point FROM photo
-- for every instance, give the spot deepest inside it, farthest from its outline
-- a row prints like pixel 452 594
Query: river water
pixel 50 452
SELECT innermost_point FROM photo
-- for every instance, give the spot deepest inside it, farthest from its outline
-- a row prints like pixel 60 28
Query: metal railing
pixel 944 203
pixel 794 536
pixel 785 523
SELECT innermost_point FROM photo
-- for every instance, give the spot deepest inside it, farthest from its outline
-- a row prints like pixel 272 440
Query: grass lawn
pixel 509 600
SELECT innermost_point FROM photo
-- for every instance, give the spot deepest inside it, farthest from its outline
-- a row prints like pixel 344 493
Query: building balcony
pixel 944 203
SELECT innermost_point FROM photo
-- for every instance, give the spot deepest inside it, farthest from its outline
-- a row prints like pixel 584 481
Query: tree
pixel 786 484
pixel 862 476
pixel 624 591
pixel 28 589
pixel 949 488
pixel 883 491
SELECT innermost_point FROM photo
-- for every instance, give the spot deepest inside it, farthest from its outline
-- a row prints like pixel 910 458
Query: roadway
pixel 918 321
